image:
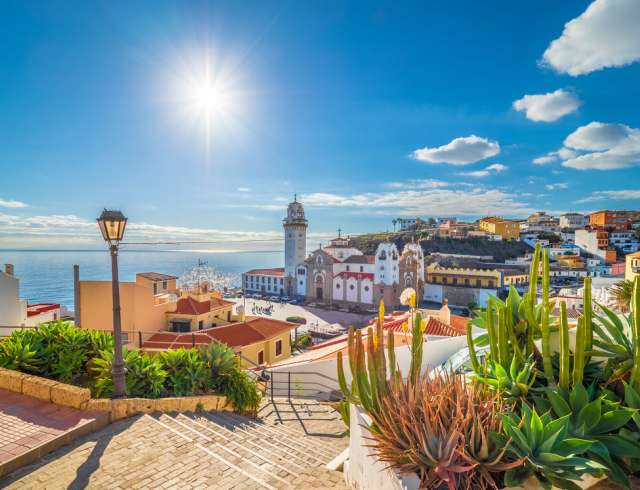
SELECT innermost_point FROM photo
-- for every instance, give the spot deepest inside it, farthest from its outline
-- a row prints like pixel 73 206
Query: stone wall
pixel 80 398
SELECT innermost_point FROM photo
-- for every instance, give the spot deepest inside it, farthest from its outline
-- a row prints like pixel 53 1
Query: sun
pixel 206 95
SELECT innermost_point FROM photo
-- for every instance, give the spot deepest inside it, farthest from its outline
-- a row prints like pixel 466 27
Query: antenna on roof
pixel 295 197
pixel 339 231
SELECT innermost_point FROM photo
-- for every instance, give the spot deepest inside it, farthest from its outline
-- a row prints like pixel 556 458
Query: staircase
pixel 287 448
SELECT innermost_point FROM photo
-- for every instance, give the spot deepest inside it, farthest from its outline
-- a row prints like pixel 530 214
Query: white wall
pixel 323 377
pixel 363 470
pixel 433 292
pixel 13 311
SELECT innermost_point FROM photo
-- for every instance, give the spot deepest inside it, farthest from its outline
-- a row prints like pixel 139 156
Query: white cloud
pixel 543 160
pixel 603 146
pixel 621 195
pixel 494 168
pixel 243 189
pixel 558 185
pixel 460 151
pixel 472 201
pixel 10 203
pixel 418 184
pixel 604 35
pixel 554 156
pixel 547 107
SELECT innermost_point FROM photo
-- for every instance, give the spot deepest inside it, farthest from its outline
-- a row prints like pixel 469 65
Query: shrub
pixel 145 375
pixel 219 362
pixel 16 352
pixel 186 374
pixel 241 391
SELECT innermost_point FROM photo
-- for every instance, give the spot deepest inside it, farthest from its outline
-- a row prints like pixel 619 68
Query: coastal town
pixel 345 245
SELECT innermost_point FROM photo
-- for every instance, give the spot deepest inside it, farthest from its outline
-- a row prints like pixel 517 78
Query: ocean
pixel 46 276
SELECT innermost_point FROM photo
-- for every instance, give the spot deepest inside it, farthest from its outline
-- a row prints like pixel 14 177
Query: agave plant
pixel 145 376
pixel 548 453
pixel 219 361
pixel 513 384
pixel 618 340
pixel 595 417
pixel 444 430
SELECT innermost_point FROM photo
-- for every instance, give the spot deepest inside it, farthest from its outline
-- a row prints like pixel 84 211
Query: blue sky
pixel 368 111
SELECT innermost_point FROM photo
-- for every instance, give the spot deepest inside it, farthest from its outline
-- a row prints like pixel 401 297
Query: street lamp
pixel 112 224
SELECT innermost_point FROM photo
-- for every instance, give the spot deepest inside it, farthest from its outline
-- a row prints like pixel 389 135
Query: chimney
pixel 8 269
pixel 445 312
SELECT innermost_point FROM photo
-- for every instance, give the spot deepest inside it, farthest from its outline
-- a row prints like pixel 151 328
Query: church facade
pixel 338 274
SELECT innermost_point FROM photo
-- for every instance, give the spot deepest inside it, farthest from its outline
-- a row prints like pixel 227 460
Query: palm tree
pixel 622 292
pixel 394 221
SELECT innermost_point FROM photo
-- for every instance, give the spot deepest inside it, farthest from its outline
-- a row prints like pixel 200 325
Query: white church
pixel 338 274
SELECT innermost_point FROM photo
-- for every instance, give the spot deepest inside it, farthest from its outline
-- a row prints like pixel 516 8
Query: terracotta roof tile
pixel 234 334
pixel 38 308
pixel 156 276
pixel 189 306
pixel 276 271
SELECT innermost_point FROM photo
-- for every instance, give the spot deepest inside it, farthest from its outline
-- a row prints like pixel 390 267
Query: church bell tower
pixel 295 243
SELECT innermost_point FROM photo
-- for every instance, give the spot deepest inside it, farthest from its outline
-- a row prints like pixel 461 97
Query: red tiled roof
pixel 189 306
pixel 156 276
pixel 355 275
pixel 276 271
pixel 220 303
pixel 459 323
pixel 435 326
pixel 371 259
pixel 38 308
pixel 234 335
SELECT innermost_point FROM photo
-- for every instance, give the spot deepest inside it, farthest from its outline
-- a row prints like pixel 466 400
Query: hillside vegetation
pixel 500 251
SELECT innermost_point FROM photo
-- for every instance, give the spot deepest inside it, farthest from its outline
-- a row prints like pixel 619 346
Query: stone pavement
pixel 198 450
pixel 30 428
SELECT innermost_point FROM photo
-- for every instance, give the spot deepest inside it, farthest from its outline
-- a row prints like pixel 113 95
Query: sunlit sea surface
pixel 47 275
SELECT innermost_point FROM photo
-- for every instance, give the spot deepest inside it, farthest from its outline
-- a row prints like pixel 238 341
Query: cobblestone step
pixel 296 440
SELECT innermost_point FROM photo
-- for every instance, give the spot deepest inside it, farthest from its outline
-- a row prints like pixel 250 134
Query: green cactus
pixel 564 347
pixel 368 364
pixel 579 352
pixel 634 381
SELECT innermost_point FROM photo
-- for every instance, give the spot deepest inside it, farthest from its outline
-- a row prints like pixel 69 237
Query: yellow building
pixel 506 228
pixel 143 304
pixel 197 312
pixel 632 266
pixel 258 341
pixel 570 261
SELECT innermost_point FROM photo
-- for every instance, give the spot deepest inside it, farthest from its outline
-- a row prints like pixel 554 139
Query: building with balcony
pixel 612 220
pixel 507 229
pixel 470 283
pixel 596 242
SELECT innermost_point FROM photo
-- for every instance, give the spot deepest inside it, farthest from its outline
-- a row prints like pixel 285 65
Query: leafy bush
pixel 145 374
pixel 61 351
pixel 186 374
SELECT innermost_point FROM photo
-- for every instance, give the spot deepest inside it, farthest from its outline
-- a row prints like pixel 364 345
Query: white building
pixel 264 281
pixel 573 221
pixel 407 224
pixel 15 312
pixel 627 241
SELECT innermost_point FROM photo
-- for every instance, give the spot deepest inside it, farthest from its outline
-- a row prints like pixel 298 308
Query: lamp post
pixel 112 224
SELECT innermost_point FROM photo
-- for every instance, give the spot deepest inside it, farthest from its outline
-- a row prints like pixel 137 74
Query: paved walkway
pixel 30 428
pixel 314 316
pixel 193 450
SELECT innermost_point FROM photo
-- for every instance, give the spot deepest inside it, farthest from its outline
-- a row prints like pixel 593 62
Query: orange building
pixel 611 220
pixel 506 228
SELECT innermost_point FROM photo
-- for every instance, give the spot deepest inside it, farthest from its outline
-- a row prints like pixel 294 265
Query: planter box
pixel 363 471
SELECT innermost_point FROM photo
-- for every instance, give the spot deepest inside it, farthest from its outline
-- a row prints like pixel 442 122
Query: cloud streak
pixel 10 203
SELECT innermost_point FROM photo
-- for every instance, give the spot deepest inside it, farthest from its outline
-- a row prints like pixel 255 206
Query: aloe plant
pixel 549 454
